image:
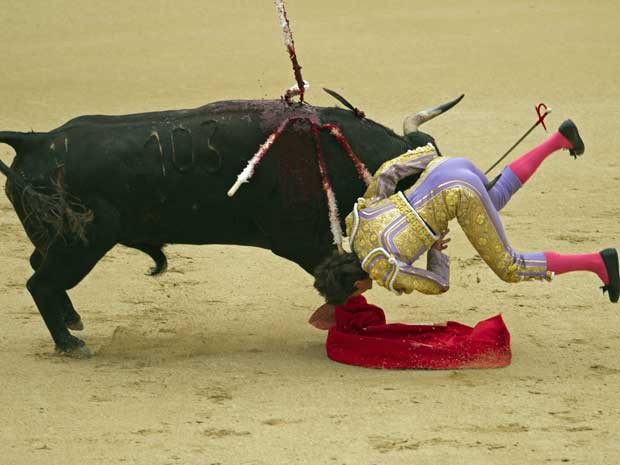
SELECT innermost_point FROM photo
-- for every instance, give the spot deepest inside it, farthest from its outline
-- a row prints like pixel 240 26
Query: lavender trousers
pixel 455 188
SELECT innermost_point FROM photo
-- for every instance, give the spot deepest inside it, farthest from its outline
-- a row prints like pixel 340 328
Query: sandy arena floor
pixel 213 362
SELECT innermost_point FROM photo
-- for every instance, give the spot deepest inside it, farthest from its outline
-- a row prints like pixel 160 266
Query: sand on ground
pixel 213 362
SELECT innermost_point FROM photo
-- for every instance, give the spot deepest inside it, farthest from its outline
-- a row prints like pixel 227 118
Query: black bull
pixel 151 179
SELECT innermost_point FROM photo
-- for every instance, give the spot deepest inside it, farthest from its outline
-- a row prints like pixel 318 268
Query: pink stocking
pixel 564 263
pixel 524 166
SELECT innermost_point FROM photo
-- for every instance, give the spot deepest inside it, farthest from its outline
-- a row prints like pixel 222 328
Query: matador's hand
pixel 442 242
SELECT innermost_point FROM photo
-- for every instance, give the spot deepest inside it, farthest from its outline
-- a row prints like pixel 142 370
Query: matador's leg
pixel 566 137
pixel 454 190
pixel 519 171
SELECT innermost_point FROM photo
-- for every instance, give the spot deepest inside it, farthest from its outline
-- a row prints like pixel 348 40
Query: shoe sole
pixel 610 258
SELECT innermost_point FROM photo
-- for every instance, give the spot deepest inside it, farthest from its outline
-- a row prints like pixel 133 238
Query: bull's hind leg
pixel 63 267
pixel 71 318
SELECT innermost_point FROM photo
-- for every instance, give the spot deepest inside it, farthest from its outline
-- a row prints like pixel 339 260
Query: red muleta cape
pixel 362 337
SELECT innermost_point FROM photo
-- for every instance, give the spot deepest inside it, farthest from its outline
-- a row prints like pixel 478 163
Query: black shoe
pixel 569 130
pixel 610 258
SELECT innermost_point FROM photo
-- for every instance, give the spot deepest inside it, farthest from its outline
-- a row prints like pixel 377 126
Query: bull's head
pixel 412 122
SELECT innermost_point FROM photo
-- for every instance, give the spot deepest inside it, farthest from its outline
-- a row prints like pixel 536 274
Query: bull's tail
pixel 155 252
pixel 15 140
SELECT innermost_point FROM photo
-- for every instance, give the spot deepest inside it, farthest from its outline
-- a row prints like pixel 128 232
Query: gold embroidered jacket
pixel 388 235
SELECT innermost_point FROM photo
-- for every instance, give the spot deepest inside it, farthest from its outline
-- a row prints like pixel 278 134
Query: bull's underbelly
pixel 197 223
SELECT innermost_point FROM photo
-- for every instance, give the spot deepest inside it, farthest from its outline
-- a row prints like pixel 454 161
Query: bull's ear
pixel 419 139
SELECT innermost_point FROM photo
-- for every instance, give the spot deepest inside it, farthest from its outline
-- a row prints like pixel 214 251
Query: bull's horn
pixel 412 122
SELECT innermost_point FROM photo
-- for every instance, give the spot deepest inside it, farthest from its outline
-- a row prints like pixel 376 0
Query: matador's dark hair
pixel 335 277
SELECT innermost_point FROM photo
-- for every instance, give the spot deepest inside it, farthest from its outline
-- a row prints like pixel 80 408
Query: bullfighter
pixel 389 231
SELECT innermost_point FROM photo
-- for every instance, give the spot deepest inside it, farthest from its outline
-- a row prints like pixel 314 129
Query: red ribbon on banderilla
pixel 315 127
pixel 540 121
pixel 336 133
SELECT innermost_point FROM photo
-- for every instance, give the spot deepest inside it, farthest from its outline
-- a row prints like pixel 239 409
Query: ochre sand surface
pixel 213 362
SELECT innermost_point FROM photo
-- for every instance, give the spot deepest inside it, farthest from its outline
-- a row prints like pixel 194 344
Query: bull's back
pixel 201 150
pixel 169 171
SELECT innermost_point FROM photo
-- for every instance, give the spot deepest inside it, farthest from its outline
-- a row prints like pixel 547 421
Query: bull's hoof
pixel 82 352
pixel 74 348
pixel 75 325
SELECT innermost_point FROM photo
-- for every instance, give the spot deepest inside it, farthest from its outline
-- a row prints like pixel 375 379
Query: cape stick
pixel 541 120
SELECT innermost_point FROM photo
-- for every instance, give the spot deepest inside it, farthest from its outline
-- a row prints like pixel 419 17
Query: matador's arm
pixel 434 280
pixel 386 178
